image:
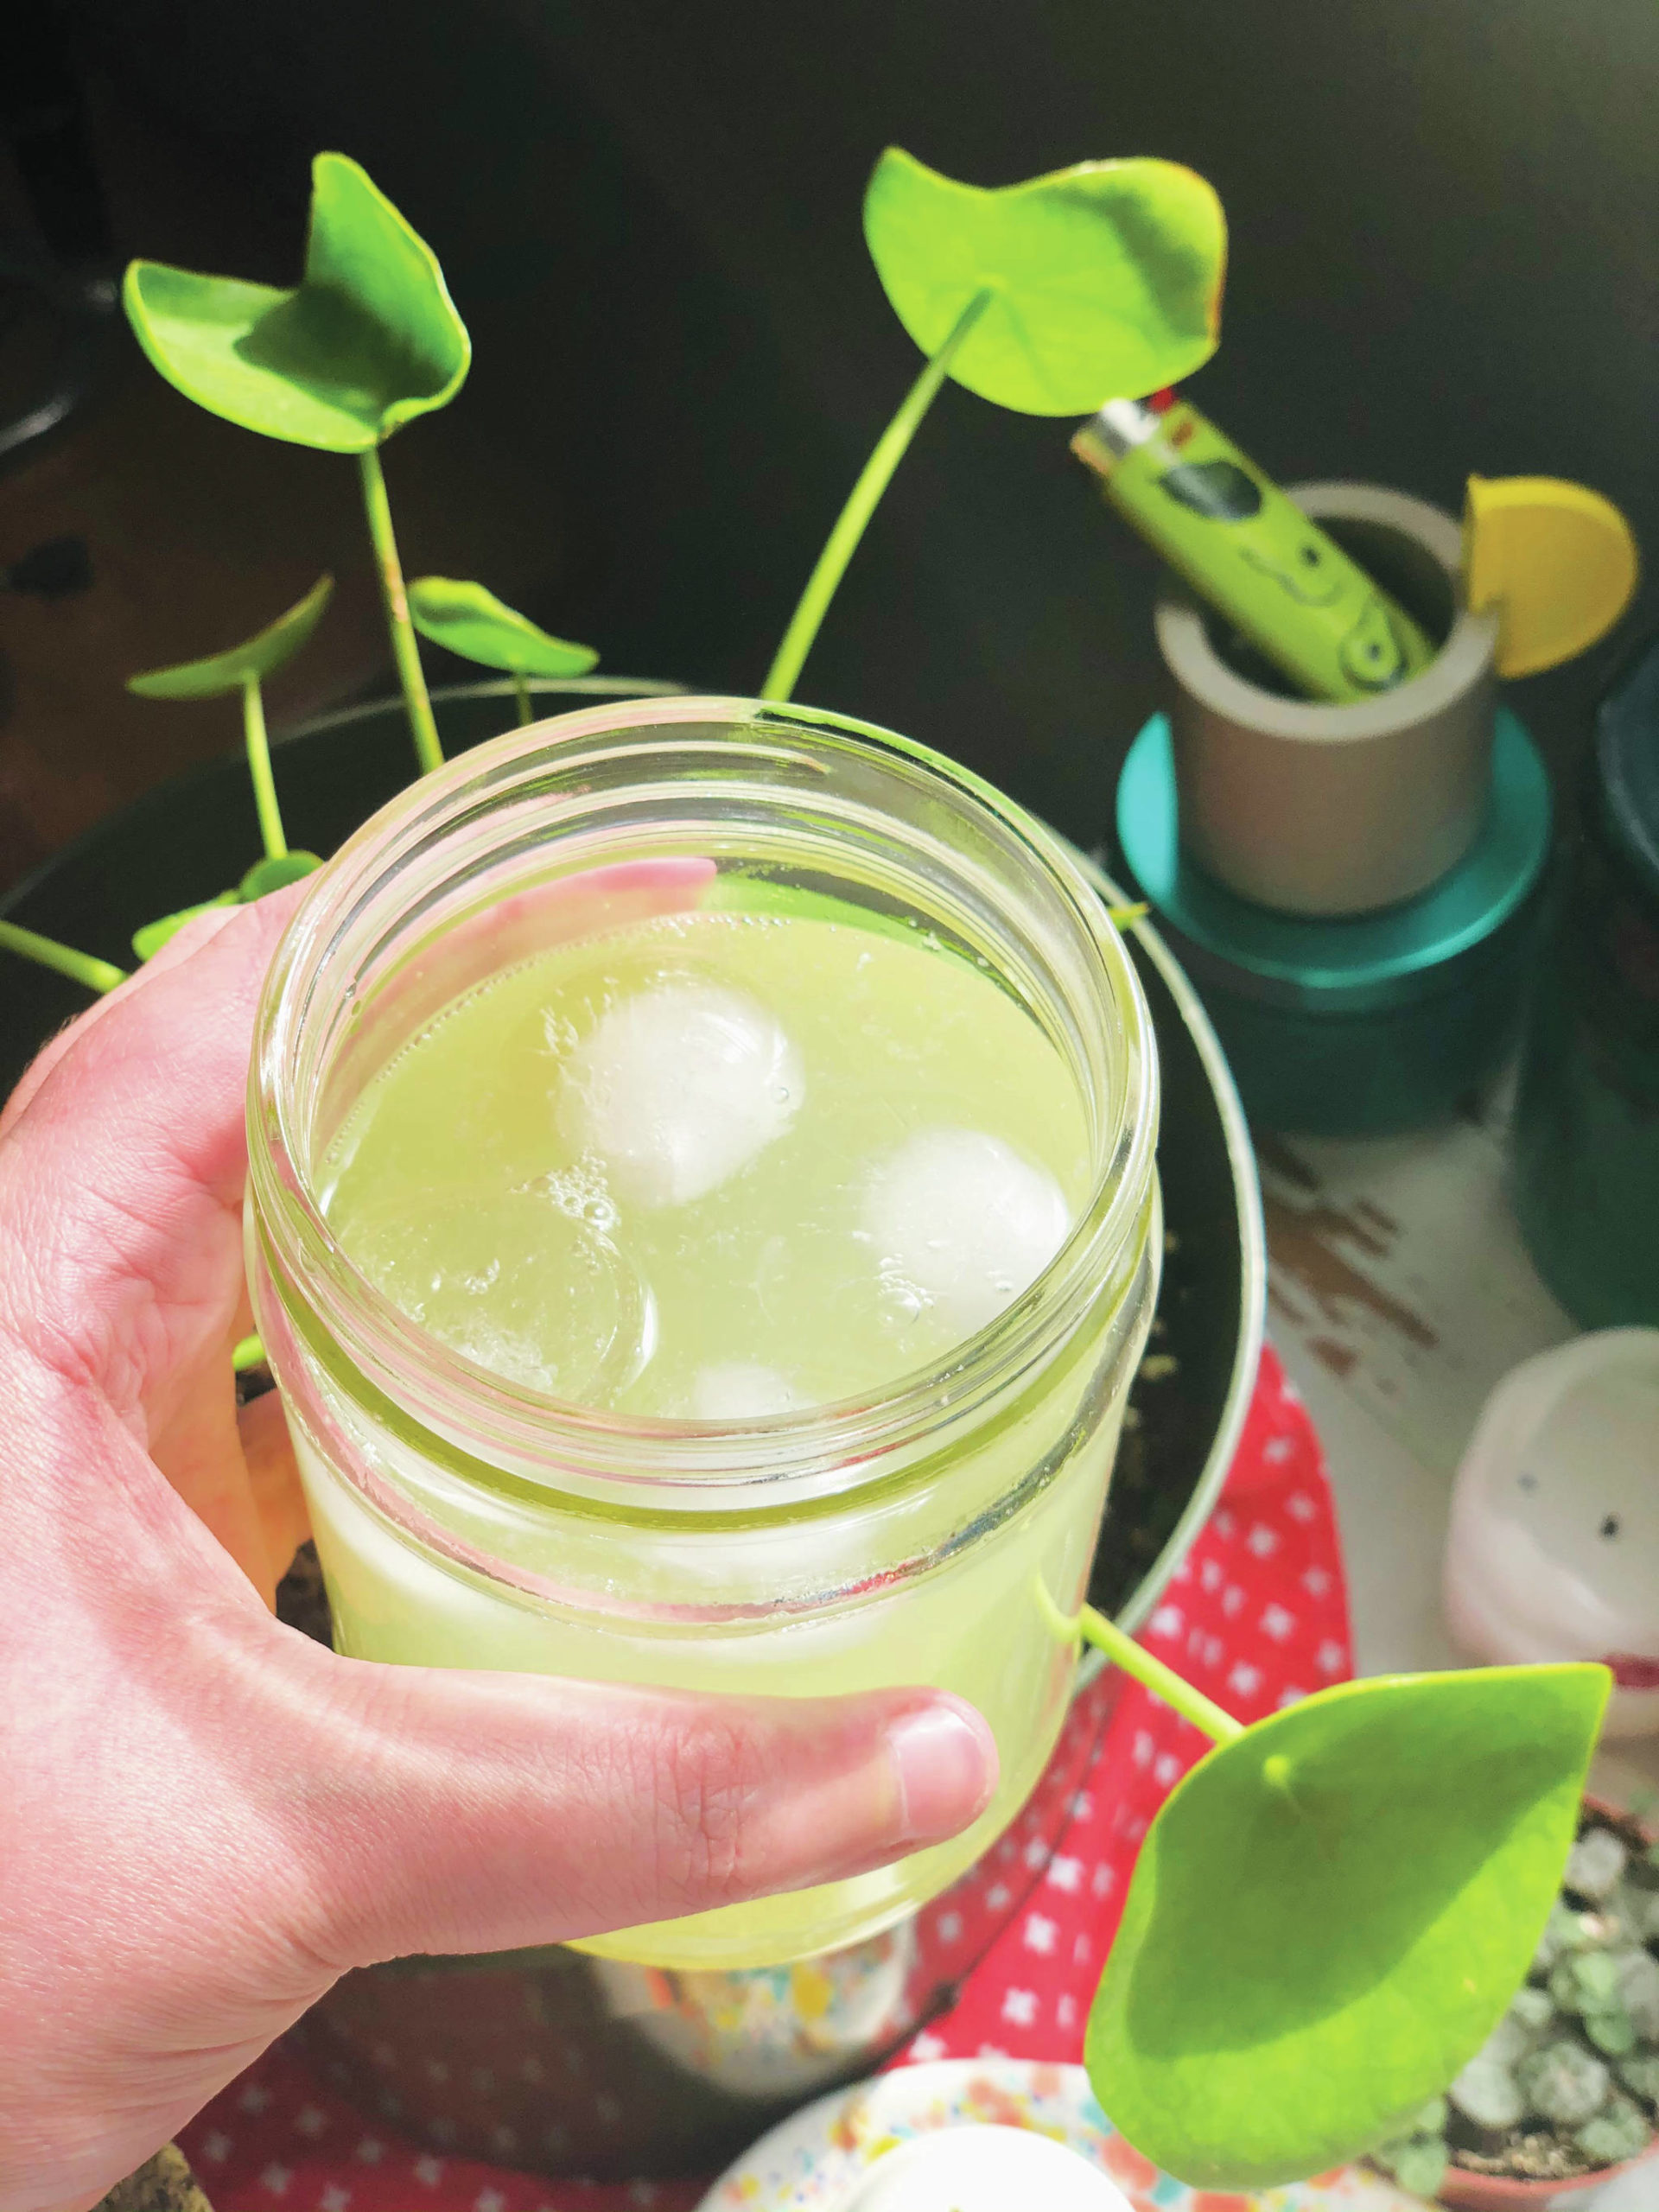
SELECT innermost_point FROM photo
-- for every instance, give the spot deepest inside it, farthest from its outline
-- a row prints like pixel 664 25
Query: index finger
pixel 129 1145
pixel 184 946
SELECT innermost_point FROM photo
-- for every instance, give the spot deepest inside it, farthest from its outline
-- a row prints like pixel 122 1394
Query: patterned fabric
pixel 813 2162
pixel 1256 1618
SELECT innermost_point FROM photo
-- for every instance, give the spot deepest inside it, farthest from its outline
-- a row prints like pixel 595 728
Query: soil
pixel 301 1601
pixel 1533 2154
pixel 1534 2151
pixel 163 2183
pixel 1167 1432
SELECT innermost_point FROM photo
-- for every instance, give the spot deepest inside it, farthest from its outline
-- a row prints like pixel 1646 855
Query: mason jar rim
pixel 557 1442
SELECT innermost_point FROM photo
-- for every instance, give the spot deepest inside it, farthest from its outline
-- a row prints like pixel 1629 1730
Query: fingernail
pixel 945 1757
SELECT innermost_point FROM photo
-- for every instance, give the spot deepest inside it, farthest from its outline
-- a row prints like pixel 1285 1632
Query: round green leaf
pixel 475 623
pixel 1331 1913
pixel 370 339
pixel 272 874
pixel 148 941
pixel 1104 280
pixel 239 664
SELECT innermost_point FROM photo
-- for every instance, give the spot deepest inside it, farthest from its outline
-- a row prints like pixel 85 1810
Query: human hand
pixel 206 1817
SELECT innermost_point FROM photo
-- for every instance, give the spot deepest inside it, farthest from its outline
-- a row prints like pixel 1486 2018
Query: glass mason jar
pixel 913 1536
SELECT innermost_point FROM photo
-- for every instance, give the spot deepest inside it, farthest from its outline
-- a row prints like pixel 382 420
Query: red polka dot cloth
pixel 1256 1618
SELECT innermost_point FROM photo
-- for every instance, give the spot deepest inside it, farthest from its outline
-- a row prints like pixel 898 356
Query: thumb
pixel 451 1812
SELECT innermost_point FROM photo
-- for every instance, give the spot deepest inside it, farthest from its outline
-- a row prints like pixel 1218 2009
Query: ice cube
pixel 524 1282
pixel 678 1088
pixel 737 1392
pixel 958 1216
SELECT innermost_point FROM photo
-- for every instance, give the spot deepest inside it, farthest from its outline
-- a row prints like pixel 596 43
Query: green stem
pixel 249 1353
pixel 265 785
pixel 47 953
pixel 404 649
pixel 1161 1681
pixel 843 543
pixel 521 689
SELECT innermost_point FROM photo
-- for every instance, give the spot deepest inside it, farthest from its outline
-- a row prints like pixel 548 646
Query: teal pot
pixel 1369 1024
pixel 1586 1166
pixel 550 2059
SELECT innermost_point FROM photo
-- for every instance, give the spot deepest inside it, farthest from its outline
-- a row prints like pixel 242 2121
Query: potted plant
pixel 1044 297
pixel 1563 2094
pixel 1313 1946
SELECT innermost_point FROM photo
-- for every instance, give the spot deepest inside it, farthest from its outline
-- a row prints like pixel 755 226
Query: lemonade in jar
pixel 703 1221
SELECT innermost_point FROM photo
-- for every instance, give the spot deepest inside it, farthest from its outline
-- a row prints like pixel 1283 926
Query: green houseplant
pixel 1311 1951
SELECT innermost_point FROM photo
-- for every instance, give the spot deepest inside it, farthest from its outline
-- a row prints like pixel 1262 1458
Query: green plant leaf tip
pixel 1106 278
pixel 263 877
pixel 1331 1913
pixel 268 649
pixel 148 941
pixel 268 875
pixel 369 339
pixel 472 622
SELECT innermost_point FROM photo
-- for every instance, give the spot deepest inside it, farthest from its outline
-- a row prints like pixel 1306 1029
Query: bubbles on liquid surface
pixel 525 1283
pixel 961 1224
pixel 735 1391
pixel 581 1192
pixel 678 1088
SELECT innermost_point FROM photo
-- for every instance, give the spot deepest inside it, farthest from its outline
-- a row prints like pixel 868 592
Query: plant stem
pixel 405 651
pixel 249 1353
pixel 842 543
pixel 47 953
pixel 521 689
pixel 1163 1681
pixel 265 787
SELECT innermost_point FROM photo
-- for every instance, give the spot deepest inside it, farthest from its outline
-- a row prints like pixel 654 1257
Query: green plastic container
pixel 1366 1025
pixel 1586 1135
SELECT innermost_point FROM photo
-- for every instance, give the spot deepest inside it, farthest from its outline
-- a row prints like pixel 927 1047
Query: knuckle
pixel 711 1782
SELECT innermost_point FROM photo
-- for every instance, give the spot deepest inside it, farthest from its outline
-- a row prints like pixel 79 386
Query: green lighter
pixel 1250 551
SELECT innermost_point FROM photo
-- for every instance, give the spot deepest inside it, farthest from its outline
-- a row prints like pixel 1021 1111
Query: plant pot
pixel 1585 1170
pixel 1315 809
pixel 551 2059
pixel 1492 2193
pixel 1362 1025
pixel 1463 2191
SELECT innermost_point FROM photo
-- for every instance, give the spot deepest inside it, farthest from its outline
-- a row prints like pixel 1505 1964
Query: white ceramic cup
pixel 1554 1547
